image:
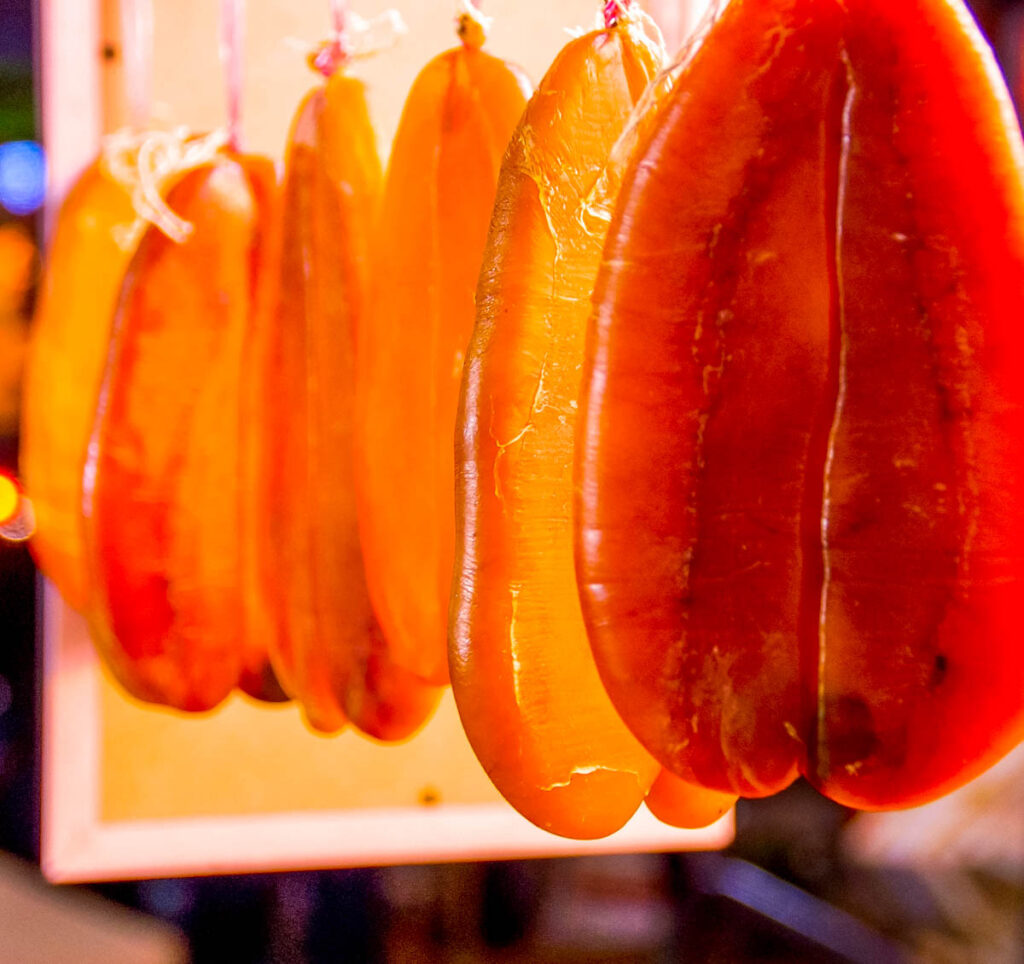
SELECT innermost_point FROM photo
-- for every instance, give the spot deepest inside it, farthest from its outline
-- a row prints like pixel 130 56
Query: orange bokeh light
pixel 9 499
pixel 17 261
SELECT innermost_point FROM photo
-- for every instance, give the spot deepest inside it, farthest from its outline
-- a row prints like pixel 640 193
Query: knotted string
pixel 143 162
pixel 352 37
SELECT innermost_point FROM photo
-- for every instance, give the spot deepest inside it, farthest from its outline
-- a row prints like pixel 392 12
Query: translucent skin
pixel 799 464
pixel 257 677
pixel 326 645
pixel 438 196
pixel 162 480
pixel 685 805
pixel 85 265
pixel 524 679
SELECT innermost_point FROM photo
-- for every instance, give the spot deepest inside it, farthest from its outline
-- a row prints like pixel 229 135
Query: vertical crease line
pixel 839 332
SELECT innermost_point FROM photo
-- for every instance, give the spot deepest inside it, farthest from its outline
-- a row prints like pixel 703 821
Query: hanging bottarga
pixel 438 196
pixel 163 477
pixel 528 694
pixel 85 264
pixel 800 499
pixel 98 228
pixel 326 645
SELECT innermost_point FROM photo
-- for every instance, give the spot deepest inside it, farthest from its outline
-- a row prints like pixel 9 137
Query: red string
pixel 232 27
pixel 137 53
pixel 613 11
pixel 339 16
pixel 337 50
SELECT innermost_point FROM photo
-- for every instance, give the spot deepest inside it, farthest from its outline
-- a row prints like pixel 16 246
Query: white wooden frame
pixel 79 846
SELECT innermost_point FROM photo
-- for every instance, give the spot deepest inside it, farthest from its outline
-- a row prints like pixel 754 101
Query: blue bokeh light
pixel 22 176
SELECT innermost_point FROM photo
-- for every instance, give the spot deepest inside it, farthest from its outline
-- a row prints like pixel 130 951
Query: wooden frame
pixel 78 845
pixel 84 836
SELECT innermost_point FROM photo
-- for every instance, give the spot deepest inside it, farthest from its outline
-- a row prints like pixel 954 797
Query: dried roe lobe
pixel 325 642
pixel 257 676
pixel 438 195
pixel 524 680
pixel 162 480
pixel 85 264
pixel 799 464
pixel 681 804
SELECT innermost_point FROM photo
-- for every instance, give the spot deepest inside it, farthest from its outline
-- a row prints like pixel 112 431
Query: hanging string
pixel 352 37
pixel 137 58
pixel 232 43
pixel 339 18
pixel 144 162
pixel 337 49
pixel 614 10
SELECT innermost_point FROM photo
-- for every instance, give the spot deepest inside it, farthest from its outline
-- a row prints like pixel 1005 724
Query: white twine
pixel 370 36
pixel 144 162
pixel 364 36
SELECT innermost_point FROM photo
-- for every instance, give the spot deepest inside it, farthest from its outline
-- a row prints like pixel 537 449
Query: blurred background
pixel 805 880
